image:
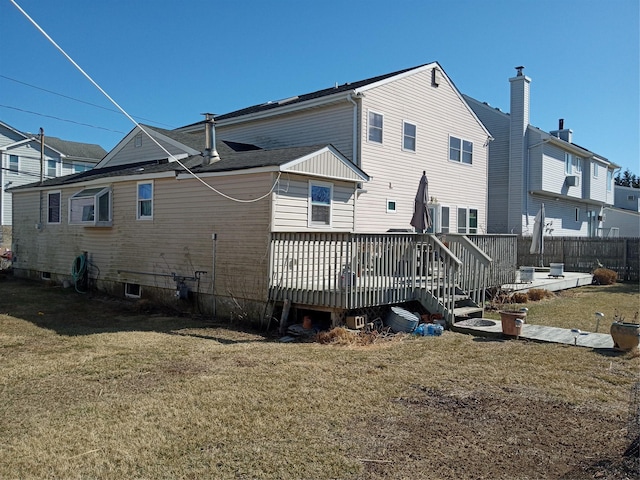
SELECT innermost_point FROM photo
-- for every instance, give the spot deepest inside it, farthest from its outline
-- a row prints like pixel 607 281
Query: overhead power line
pixel 61 119
pixel 80 101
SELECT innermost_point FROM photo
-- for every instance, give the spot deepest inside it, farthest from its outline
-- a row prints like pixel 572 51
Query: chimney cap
pixel 519 70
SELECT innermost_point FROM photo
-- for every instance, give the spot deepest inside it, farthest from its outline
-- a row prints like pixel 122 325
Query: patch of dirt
pixel 494 435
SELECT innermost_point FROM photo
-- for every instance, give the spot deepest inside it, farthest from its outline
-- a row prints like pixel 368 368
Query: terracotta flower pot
pixel 512 322
pixel 626 336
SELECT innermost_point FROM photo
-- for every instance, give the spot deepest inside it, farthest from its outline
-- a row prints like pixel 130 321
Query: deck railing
pixel 474 273
pixel 350 271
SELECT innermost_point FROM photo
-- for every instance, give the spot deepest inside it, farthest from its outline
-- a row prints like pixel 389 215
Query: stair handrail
pixel 475 269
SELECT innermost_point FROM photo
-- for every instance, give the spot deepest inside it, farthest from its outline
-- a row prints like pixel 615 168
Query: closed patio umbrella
pixel 537 242
pixel 421 219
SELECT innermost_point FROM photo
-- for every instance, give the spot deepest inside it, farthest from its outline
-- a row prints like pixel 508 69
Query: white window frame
pixel 317 224
pixel 49 195
pixel 595 170
pixel 447 217
pixel 461 150
pixel 82 207
pixel 609 179
pixel 371 113
pixel 467 220
pixel 130 290
pixel 53 169
pixel 406 136
pixel 390 202
pixel 577 164
pixel 80 167
pixel 140 201
pixel 14 159
pixel 568 164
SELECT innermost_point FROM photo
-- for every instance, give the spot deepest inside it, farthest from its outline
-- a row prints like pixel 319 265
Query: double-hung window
pixel 609 180
pixel 52 168
pixel 444 219
pixel 573 165
pixel 467 220
pixel 91 207
pixel 320 195
pixel 375 127
pixel 53 207
pixel 145 201
pixel 14 164
pixel 460 150
pixel 595 170
pixel 408 136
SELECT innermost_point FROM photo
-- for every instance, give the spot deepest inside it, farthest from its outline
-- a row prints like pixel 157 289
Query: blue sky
pixel 167 61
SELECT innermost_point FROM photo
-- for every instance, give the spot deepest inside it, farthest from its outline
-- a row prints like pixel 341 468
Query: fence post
pixel 624 259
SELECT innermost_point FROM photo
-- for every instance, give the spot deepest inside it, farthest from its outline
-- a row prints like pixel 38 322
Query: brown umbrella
pixel 421 219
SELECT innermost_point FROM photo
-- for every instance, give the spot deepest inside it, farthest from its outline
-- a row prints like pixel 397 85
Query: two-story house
pixel 394 127
pixel 272 202
pixel 529 167
pixel 24 159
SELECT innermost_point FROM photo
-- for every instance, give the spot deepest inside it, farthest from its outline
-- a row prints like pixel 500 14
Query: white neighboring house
pixel 529 167
pixel 623 218
pixel 21 163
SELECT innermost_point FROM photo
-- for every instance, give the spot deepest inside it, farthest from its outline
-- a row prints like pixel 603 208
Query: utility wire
pixel 61 119
pixel 81 101
pixel 86 75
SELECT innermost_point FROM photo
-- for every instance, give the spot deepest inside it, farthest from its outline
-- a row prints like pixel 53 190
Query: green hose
pixel 78 270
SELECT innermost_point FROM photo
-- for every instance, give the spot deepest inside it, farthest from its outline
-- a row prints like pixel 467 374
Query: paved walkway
pixel 539 333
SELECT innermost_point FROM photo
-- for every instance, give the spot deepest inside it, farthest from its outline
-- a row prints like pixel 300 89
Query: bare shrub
pixel 604 276
pixel 536 294
pixel 519 297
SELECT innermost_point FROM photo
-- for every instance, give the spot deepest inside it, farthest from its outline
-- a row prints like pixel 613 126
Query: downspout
pixel 41 174
pixel 354 153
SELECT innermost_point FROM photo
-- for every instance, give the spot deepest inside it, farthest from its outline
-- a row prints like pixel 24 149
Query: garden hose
pixel 78 270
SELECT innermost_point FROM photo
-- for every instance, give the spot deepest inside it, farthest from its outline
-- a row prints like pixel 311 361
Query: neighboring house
pixel 394 127
pixel 22 163
pixel 529 167
pixel 277 210
pixel 623 218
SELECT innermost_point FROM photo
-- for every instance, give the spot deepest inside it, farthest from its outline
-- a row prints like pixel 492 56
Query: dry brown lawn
pixel 91 388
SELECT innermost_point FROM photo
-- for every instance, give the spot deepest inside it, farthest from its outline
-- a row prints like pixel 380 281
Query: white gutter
pixel 4 148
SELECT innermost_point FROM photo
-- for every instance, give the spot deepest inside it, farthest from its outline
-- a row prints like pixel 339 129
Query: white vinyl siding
pixel 291 208
pixel 331 124
pixel 414 99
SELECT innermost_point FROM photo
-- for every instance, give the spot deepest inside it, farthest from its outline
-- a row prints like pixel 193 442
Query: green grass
pixel 91 389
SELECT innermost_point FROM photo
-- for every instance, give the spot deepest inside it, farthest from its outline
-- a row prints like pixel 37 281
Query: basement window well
pixel 91 207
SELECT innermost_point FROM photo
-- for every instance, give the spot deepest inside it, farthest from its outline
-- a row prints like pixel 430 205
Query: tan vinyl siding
pixel 326 165
pixel 437 112
pixel 178 239
pixel 147 151
pixel 332 124
pixel 292 206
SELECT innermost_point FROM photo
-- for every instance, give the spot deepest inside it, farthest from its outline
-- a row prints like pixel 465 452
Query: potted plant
pixel 626 335
pixel 512 321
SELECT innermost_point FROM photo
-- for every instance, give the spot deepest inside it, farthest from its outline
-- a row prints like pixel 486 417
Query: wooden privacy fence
pixel 582 254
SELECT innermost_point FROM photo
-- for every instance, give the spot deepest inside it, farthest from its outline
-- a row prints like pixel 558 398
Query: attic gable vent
pixel 436 77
